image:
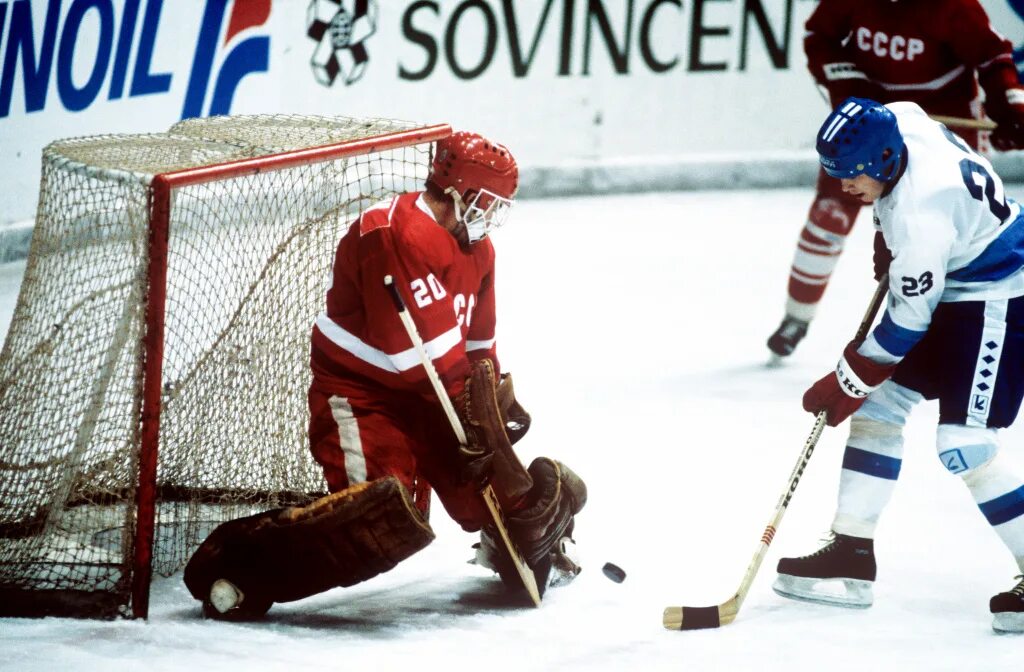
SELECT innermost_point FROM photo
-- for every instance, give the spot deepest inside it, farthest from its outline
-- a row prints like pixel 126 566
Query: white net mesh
pixel 248 263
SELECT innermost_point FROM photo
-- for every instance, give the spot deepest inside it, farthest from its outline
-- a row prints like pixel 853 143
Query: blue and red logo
pixel 225 52
pixel 249 55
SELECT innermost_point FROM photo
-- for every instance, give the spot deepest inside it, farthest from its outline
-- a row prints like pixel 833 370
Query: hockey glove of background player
pixel 843 391
pixel 1010 132
pixel 1004 103
pixel 882 257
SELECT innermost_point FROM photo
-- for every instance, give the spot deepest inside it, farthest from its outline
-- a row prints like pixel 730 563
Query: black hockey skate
pixel 789 334
pixel 1008 609
pixel 840 573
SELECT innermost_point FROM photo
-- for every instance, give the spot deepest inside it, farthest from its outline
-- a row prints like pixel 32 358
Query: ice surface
pixel 635 328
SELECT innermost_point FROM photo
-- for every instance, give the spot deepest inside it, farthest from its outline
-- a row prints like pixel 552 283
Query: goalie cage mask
pixel 861 137
pixel 481 176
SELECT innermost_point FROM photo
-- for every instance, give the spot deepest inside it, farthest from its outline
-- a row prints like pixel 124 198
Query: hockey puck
pixel 614 572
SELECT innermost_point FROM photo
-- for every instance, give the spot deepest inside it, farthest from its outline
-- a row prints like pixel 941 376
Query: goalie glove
pixel 841 392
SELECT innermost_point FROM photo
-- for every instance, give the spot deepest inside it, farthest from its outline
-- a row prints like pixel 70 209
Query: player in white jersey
pixel 953 330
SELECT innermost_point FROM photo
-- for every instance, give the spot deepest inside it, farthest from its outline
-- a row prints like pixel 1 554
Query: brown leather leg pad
pixel 338 540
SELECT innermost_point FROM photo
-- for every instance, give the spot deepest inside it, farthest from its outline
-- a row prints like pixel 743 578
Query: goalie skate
pixel 565 563
pixel 560 568
pixel 841 574
pixel 225 596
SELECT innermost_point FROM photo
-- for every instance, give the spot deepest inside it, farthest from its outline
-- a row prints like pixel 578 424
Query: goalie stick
pixel 488 494
pixel 697 618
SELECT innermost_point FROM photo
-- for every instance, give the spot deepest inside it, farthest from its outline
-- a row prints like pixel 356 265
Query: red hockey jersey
pixel 359 338
pixel 924 51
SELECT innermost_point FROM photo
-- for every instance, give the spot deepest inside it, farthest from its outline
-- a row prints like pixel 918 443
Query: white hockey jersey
pixel 954 234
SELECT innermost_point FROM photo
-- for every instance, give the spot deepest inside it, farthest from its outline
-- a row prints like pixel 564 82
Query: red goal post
pixel 152 383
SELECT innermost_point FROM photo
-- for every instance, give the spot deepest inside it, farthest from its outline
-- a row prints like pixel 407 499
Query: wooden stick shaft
pixel 489 497
pixel 428 365
pixel 961 122
pixel 805 456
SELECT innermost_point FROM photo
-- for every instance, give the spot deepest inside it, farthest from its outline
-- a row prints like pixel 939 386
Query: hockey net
pixel 153 380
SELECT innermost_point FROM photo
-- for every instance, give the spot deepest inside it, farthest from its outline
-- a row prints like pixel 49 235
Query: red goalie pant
pixel 357 436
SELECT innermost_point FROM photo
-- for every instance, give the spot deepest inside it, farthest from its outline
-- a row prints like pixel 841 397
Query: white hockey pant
pixel 874 454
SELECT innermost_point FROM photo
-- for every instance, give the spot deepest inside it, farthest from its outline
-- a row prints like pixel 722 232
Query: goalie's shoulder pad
pixel 377 216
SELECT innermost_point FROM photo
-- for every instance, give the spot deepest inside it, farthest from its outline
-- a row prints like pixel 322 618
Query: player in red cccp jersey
pixel 931 52
pixel 377 426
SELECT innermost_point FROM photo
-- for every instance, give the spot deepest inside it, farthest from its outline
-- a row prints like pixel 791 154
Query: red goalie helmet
pixel 481 177
pixel 470 162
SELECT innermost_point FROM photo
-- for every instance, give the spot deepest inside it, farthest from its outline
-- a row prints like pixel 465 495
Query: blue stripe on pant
pixel 1005 508
pixel 872 464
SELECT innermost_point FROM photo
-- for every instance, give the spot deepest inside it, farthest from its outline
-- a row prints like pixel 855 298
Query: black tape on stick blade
pixel 699 618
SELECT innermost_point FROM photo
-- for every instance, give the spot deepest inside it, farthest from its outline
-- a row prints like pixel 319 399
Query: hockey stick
pixel 697 618
pixel 488 494
pixel 952 122
pixel 960 122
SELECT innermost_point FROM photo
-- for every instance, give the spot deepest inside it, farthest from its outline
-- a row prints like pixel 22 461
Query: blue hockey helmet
pixel 860 137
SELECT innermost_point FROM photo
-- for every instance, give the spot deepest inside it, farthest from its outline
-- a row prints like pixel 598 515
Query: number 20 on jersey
pixel 426 291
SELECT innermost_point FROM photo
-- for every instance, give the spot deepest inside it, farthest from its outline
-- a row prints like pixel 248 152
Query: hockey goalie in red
pixel 376 424
pixel 930 52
